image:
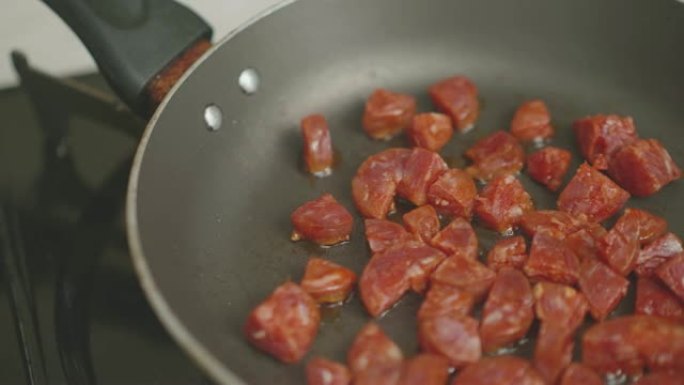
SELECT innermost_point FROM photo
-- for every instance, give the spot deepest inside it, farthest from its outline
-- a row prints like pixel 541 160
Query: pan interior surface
pixel 209 209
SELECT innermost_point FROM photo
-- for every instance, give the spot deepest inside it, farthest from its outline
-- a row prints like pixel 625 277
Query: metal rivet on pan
pixel 249 81
pixel 213 117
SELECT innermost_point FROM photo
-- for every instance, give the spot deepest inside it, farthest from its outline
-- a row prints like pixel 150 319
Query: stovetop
pixel 71 309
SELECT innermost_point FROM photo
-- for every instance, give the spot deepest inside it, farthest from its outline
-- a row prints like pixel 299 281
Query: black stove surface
pixel 71 309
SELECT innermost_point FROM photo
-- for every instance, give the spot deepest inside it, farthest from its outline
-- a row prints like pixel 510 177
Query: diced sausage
pixel 327 282
pixel 500 370
pixel 560 305
pixel 318 153
pixel 657 252
pixel 672 274
pixel 423 222
pixel 592 194
pixel 285 324
pixel 619 248
pixel 508 313
pixel 387 113
pixel 382 234
pixel 421 169
pixel 465 274
pixel 584 242
pixel 652 298
pixel 532 121
pixel 498 154
pixel 559 223
pixel 322 220
pixel 631 343
pixel 600 136
pixel 372 348
pixel 387 375
pixel 457 97
pixel 320 371
pixel 390 274
pixel 550 259
pixel 431 131
pixel 502 203
pixel 458 237
pixel 375 183
pixel 425 369
pixel 579 374
pixel 669 377
pixel 507 252
pixel 643 167
pixel 651 226
pixel 453 193
pixel 452 336
pixel 552 351
pixel 548 166
pixel 445 299
pixel 603 288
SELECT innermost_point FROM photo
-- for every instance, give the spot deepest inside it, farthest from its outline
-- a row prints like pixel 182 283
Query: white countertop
pixel 30 26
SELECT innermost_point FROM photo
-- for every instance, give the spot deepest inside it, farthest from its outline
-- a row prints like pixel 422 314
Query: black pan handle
pixel 136 42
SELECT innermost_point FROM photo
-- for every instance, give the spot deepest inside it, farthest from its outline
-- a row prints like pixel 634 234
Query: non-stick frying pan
pixel 208 210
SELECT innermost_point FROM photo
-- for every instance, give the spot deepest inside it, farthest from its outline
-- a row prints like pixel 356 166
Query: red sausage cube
pixel 671 377
pixel 323 221
pixel 453 193
pixel 508 252
pixel 600 136
pixel 431 131
pixel 603 288
pixel 382 234
pixel 457 97
pixel 285 324
pixel 672 274
pixel 643 167
pixel 560 305
pixel 652 298
pixel 452 336
pixel 387 113
pixel 658 252
pixel 532 122
pixel 508 312
pixel 327 282
pixel 464 274
pixel 425 369
pixel 579 374
pixel 550 259
pixel 557 222
pixel 423 222
pixel 372 348
pixel 445 299
pixel 318 153
pixel 458 237
pixel 630 343
pixel 390 274
pixel 651 226
pixel 376 180
pixel 548 166
pixel 619 248
pixel 592 194
pixel 422 168
pixel 320 371
pixel 584 242
pixel 499 370
pixel 497 154
pixel 502 203
pixel 552 351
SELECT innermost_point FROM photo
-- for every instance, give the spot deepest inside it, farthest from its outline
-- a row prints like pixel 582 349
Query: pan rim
pixel 216 369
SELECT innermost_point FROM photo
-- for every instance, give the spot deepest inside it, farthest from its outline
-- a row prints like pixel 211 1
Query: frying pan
pixel 208 210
